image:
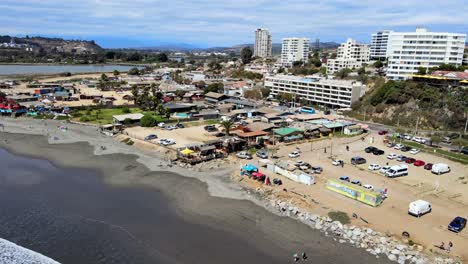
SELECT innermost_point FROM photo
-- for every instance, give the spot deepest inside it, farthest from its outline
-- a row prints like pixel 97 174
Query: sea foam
pixel 11 253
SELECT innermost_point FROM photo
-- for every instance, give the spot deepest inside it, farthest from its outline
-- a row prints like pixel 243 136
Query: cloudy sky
pixel 206 23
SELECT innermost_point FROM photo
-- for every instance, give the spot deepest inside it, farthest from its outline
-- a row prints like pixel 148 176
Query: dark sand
pixel 111 209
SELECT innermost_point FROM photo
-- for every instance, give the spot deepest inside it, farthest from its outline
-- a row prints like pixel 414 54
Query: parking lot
pixel 446 192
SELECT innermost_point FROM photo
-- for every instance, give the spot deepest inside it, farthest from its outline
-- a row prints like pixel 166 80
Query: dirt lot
pixel 182 136
pixel 448 200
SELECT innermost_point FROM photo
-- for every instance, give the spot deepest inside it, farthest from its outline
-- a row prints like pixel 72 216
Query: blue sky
pixel 207 23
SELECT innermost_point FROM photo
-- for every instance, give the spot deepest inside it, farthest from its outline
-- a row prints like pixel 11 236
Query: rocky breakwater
pixel 375 243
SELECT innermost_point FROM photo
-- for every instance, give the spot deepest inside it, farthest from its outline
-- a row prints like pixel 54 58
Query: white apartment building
pixel 262 47
pixel 294 49
pixel 407 51
pixel 330 93
pixel 350 55
pixel 378 46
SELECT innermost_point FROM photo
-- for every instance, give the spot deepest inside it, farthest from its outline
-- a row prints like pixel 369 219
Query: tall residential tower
pixel 262 47
pixel 378 46
pixel 294 49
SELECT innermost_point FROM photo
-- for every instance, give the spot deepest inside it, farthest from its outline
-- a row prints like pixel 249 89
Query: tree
pixel 104 77
pixel 297 63
pixel 135 93
pixel 333 56
pixel 246 55
pixel 460 142
pixel 435 140
pixel 162 57
pixel 161 110
pixel 227 125
pixel 421 71
pixel 361 70
pixel 148 121
pixel 343 73
pixel 214 87
pixel 180 93
pixel 134 71
pixel 378 64
pixel 116 73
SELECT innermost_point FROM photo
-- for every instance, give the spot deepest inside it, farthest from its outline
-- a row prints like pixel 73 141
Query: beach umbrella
pixel 186 151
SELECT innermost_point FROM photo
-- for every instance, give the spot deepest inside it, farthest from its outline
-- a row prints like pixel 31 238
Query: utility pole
pixel 417 124
pixel 466 123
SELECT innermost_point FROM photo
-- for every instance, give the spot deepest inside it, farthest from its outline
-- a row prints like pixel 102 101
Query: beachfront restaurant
pixel 288 134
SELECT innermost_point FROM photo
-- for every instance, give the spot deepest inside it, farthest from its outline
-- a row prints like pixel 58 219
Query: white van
pixel 440 168
pixel 397 171
pixel 419 207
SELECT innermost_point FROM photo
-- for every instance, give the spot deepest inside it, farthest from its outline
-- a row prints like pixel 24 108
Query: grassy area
pixel 339 216
pixel 457 157
pixel 104 116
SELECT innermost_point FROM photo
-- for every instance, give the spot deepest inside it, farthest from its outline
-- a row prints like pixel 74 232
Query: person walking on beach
pixel 296 257
pixel 347 148
pixel 450 245
pixel 304 256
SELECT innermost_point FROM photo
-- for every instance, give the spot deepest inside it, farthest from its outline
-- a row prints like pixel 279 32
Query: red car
pixel 410 160
pixel 258 176
pixel 419 163
pixel 383 132
pixel 428 166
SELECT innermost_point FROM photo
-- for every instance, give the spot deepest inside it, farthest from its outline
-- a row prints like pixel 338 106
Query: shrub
pixel 339 216
pixel 126 110
pixel 127 121
pixel 148 121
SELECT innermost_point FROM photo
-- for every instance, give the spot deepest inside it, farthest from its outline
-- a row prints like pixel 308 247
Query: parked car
pixel 258 176
pixel 219 134
pixel 390 144
pixel 316 169
pixel 398 146
pixel 407 137
pixel 344 178
pixel 210 128
pixel 410 160
pixel 405 149
pixel 170 127
pixel 179 125
pixel 358 160
pixel 457 224
pixel 428 166
pixel 305 166
pixel 261 154
pixel 464 150
pixel 151 137
pixel 299 163
pixel 383 132
pixel 397 171
pixel 401 158
pixel 440 168
pixel 368 186
pixel 161 125
pixel 419 163
pixel 337 162
pixel 244 155
pixel 294 154
pixel 419 208
pixel 414 151
pixel 167 142
pixel 392 156
pixel 447 140
pixel 378 152
pixel 370 149
pixel 373 167
pixel 384 169
pixel 357 182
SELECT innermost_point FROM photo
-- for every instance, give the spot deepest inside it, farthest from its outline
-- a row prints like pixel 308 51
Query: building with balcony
pixel 262 47
pixel 350 55
pixel 294 49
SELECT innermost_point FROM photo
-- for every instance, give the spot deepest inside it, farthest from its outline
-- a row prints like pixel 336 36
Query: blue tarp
pixel 249 168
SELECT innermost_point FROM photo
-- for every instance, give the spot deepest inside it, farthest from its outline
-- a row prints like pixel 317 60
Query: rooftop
pixel 121 118
pixel 286 131
pixel 309 79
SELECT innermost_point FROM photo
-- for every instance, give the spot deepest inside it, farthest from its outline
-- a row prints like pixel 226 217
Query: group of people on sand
pixel 296 257
pixel 448 248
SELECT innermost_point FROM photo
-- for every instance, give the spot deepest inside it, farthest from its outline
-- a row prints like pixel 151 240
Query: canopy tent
pixel 186 151
pixel 249 168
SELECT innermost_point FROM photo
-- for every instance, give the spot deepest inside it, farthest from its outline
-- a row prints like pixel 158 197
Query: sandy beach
pixel 211 199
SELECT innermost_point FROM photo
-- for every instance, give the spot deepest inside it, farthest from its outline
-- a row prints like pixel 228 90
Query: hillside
pixel 52 45
pixel 407 103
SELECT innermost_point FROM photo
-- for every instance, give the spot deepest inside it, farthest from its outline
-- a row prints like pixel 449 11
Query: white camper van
pixel 397 171
pixel 419 207
pixel 440 168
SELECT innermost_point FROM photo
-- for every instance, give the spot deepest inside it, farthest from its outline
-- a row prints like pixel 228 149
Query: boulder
pixel 395 252
pixel 392 257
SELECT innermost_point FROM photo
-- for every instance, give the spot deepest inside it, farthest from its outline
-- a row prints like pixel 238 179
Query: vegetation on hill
pixel 408 103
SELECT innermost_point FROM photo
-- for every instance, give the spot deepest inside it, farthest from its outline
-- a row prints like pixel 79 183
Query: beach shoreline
pixel 219 182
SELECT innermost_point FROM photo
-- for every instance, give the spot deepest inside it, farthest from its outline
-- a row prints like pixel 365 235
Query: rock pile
pixel 375 243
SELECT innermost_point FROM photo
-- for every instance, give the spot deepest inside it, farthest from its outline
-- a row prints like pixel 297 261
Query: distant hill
pixel 55 45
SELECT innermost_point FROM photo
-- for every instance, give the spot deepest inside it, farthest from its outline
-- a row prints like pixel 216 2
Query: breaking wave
pixel 13 254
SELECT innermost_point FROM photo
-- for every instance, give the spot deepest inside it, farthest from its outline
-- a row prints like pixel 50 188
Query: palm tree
pixel 227 125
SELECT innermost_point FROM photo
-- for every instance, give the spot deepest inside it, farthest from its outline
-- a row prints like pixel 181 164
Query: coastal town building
pixel 294 49
pixel 262 47
pixel 378 46
pixel 350 55
pixel 330 93
pixel 408 51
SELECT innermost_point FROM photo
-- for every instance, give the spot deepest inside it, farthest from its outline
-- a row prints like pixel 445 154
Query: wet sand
pixel 142 216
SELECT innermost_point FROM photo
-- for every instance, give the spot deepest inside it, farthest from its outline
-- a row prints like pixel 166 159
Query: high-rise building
pixel 294 49
pixel 408 51
pixel 378 46
pixel 350 55
pixel 262 47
